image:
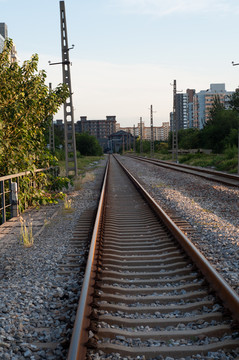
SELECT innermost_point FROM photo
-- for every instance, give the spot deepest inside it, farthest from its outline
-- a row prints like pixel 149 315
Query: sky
pixel 127 53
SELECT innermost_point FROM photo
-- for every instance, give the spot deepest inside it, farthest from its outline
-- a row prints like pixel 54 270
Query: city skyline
pixel 128 52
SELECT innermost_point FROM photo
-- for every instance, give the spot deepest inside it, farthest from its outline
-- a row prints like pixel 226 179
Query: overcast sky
pixel 128 52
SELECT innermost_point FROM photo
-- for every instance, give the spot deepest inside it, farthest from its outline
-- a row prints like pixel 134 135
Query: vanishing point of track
pixel 145 283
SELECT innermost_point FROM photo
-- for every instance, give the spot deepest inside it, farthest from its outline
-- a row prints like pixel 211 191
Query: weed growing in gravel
pixel 160 185
pixel 207 210
pixel 67 203
pixel 26 236
pixel 82 179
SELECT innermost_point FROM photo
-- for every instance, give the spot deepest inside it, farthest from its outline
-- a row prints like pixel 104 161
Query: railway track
pixel 224 178
pixel 143 296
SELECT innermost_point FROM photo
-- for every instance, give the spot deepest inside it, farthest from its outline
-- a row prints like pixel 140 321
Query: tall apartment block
pixel 1 43
pixel 3 30
pixel 183 110
pixel 3 37
pixel 204 100
pixel 193 109
pixel 182 102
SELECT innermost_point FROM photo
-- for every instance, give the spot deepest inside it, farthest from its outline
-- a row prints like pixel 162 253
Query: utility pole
pixel 69 125
pixel 233 64
pixel 134 139
pixel 152 132
pixel 174 126
pixel 141 136
pixel 51 130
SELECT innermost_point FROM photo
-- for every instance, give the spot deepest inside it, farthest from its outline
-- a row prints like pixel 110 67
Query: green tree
pixel 88 145
pixel 234 101
pixel 216 108
pixel 25 108
pixel 218 133
pixel 189 138
pixel 145 146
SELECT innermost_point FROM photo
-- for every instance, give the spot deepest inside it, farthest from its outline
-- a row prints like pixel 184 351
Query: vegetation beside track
pixel 221 162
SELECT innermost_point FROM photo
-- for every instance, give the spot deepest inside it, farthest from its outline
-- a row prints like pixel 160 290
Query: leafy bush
pixel 230 152
pixel 229 165
pixel 26 107
pixel 58 183
pixel 41 189
pixel 88 145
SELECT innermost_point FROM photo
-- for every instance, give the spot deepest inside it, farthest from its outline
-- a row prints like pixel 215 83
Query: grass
pixel 26 235
pixel 82 179
pixel 226 162
pixel 83 163
pixel 67 203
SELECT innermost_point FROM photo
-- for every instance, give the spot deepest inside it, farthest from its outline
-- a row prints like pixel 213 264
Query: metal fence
pixel 10 188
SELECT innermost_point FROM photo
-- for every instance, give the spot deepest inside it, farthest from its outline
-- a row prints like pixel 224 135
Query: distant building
pixel 181 107
pixel 14 57
pixel 1 43
pixel 3 37
pixel 98 128
pixel 183 110
pixel 120 141
pixel 193 109
pixel 101 129
pixel 203 102
pixel 160 132
pixel 3 30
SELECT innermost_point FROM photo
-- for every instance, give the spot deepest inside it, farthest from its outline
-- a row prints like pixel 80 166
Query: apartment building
pixel 204 100
pixel 1 43
pixel 3 37
pixel 160 132
pixel 193 109
pixel 98 128
pixel 183 110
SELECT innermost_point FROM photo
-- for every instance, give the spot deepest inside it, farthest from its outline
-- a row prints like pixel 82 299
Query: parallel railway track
pixel 143 295
pixel 224 178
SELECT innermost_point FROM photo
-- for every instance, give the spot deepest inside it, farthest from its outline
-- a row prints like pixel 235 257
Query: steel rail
pixel 79 337
pixel 220 286
pixel 219 176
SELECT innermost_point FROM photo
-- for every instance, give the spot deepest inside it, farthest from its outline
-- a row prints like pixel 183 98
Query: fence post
pixel 14 203
pixel 3 202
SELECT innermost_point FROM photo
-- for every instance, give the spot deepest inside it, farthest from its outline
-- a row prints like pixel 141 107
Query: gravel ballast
pixel 37 302
pixel 211 208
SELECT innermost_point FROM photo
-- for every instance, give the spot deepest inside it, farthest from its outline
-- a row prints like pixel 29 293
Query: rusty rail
pixel 79 337
pixel 219 176
pixel 78 346
pixel 221 287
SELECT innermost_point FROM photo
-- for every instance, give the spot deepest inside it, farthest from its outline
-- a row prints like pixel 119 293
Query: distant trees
pixel 88 145
pixel 26 107
pixel 145 146
pixel 219 133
